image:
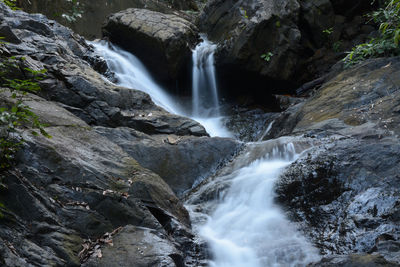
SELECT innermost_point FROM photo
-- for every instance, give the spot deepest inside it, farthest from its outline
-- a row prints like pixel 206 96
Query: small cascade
pixel 247 228
pixel 131 73
pixel 204 88
pixel 205 100
pixel 266 130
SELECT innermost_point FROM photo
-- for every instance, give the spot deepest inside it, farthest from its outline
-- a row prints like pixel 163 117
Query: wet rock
pixel 181 161
pixel 250 125
pixel 354 261
pixel 71 81
pixel 137 246
pixel 248 29
pixel 361 101
pixel 346 191
pixel 80 185
pixel 162 41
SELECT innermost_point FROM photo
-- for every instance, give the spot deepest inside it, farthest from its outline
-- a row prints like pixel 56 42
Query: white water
pixel 247 229
pixel 205 100
pixel 131 73
pixel 204 84
pixel 266 130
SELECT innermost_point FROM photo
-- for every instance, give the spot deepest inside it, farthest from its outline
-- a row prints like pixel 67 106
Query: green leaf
pixel 397 37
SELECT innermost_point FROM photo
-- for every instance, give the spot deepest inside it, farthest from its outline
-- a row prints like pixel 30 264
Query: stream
pixel 233 211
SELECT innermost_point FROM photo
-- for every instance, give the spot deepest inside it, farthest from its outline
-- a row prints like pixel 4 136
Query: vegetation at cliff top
pixel 74 12
pixel 11 3
pixel 387 43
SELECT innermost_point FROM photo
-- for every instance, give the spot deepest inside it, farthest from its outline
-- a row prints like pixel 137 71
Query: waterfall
pixel 204 89
pixel 247 228
pixel 205 100
pixel 131 73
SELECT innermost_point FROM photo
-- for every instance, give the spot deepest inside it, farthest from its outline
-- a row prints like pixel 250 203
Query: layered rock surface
pixel 345 192
pixel 68 196
pixel 162 41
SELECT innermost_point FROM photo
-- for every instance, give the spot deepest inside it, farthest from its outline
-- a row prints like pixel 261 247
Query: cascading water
pixel 247 229
pixel 131 73
pixel 205 101
pixel 204 88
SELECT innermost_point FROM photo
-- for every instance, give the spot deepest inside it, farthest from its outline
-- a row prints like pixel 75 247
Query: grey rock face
pixel 181 161
pixel 162 41
pixel 269 47
pixel 249 29
pixel 344 193
pixel 136 247
pixel 347 192
pixel 72 82
pixel 362 101
pixel 79 185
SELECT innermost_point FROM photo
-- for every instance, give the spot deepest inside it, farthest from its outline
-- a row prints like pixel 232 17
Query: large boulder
pixel 361 101
pixel 162 41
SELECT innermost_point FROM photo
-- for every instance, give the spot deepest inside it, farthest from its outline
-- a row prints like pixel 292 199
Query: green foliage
pixel 387 44
pixel 16 114
pixel 336 46
pixel 267 56
pixel 11 3
pixel 244 13
pixel 328 31
pixel 75 11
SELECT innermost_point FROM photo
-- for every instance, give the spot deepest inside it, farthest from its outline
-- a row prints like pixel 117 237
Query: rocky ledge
pixel 345 192
pixel 71 197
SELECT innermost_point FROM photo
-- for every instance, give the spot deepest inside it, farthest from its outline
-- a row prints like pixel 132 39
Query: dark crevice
pixel 178 260
pixel 163 218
